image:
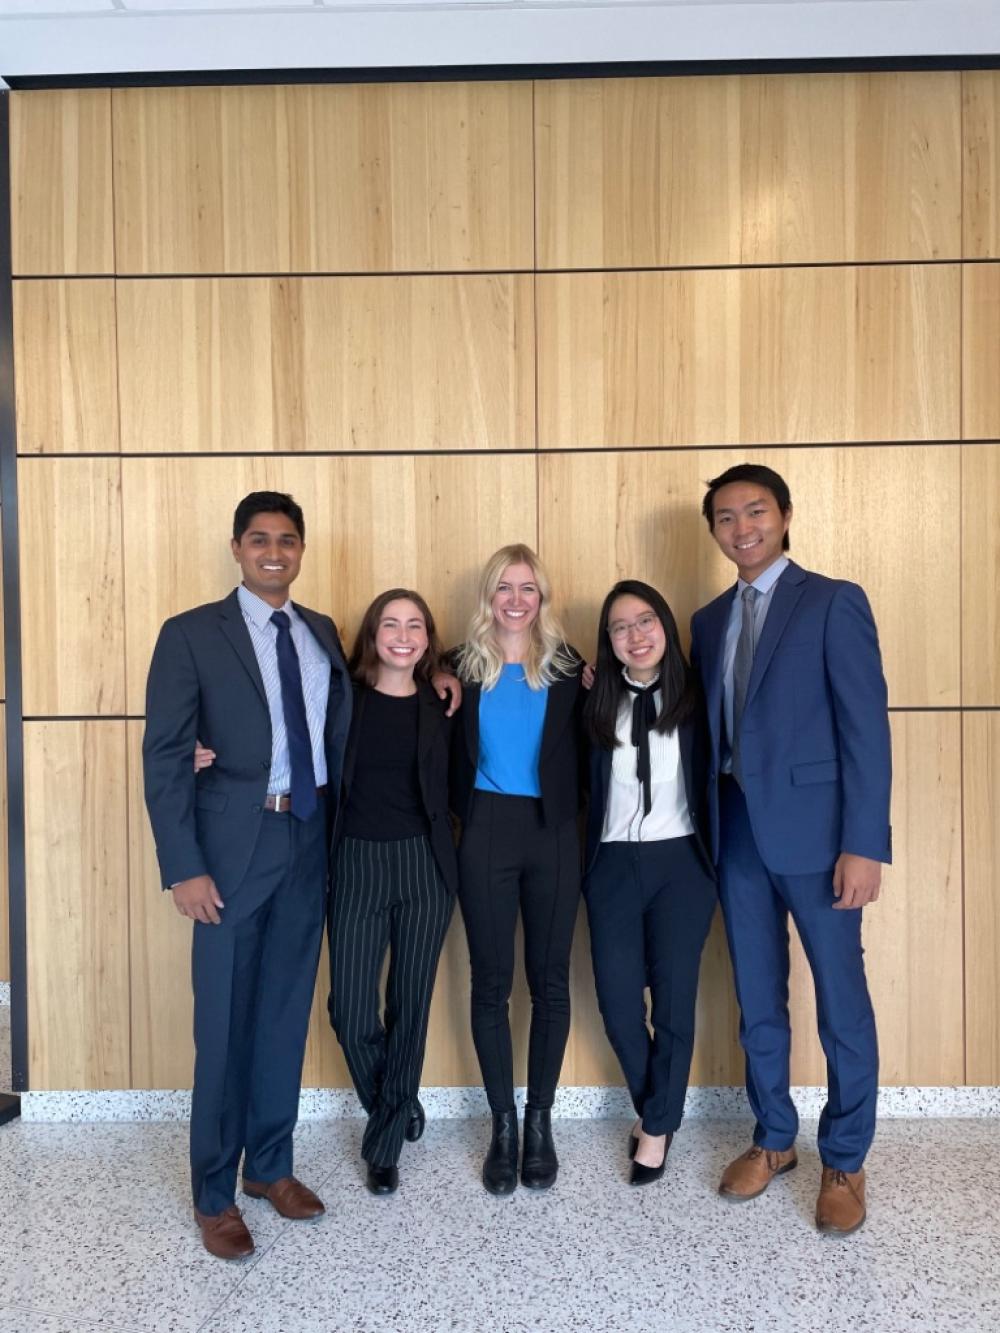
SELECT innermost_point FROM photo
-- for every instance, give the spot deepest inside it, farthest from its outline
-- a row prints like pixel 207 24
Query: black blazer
pixel 433 744
pixel 559 765
pixel 204 682
pixel 694 744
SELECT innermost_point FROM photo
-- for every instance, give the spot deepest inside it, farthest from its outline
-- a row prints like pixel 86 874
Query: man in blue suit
pixel 799 812
pixel 243 847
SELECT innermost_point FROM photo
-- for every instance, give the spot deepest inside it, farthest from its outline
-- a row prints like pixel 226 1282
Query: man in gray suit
pixel 243 847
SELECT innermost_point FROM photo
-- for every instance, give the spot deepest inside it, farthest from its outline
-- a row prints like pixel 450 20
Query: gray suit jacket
pixel 204 682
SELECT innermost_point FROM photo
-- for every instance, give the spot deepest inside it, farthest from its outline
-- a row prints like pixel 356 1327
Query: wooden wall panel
pixel 981 175
pixel 981 575
pixel 913 934
pixel 335 179
pixel 65 366
pixel 72 605
pixel 159 945
pixel 4 892
pixel 753 170
pixel 981 762
pixel 60 166
pixel 980 351
pixel 641 513
pixel 754 356
pixel 408 363
pixel 77 904
pixel 371 524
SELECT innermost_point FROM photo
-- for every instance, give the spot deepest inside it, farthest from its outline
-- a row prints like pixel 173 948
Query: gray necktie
pixel 742 666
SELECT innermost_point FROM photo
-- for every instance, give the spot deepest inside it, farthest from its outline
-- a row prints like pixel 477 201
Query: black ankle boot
pixel 500 1167
pixel 539 1165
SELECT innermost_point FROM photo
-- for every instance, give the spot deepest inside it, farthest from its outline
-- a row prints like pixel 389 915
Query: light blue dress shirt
pixel 315 667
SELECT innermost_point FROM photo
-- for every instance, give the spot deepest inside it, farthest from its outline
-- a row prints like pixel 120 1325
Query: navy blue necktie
pixel 293 705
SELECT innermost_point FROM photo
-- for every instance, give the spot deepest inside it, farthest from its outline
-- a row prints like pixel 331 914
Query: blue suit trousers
pixel 756 905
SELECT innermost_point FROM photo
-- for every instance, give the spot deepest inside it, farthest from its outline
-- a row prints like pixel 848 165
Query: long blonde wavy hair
pixel 480 658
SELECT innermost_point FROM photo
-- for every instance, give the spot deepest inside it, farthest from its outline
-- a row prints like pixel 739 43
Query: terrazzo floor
pixel 97 1234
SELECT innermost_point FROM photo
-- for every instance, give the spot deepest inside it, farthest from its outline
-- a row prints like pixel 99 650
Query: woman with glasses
pixel 649 884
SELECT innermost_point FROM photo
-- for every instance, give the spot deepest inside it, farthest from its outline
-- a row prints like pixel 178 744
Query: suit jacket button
pixel 433 819
pixel 265 763
pixel 256 809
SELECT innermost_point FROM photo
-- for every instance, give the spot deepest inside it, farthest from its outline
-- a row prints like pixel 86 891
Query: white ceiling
pixel 70 37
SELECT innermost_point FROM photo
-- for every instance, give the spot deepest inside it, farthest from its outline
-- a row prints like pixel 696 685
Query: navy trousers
pixel 253 979
pixel 650 906
pixel 386 895
pixel 756 905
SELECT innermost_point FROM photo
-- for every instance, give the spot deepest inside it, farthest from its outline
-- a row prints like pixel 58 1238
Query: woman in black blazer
pixel 649 883
pixel 393 872
pixel 516 789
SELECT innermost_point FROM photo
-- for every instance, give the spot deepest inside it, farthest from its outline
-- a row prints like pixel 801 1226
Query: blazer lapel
pixel 234 628
pixel 787 592
pixel 429 717
pixel 558 706
pixel 713 646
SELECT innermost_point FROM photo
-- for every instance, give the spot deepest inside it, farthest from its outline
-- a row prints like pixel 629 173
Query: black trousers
pixel 253 978
pixel 509 861
pixel 386 895
pixel 650 907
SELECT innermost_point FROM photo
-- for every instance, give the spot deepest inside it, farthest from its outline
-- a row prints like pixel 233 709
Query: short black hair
pixel 757 475
pixel 267 502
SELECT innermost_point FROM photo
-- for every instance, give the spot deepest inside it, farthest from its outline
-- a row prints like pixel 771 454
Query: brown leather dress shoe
pixel 750 1174
pixel 287 1196
pixel 840 1207
pixel 225 1235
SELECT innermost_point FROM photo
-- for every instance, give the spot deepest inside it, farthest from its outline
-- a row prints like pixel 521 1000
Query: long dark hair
pixel 677 683
pixel 363 662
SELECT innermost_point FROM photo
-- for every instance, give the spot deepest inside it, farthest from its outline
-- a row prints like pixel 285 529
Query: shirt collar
pixel 642 684
pixel 257 610
pixel 766 581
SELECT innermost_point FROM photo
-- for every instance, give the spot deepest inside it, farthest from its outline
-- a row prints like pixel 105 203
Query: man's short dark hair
pixel 267 502
pixel 756 474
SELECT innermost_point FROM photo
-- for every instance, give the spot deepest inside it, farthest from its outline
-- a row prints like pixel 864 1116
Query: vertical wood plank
pixel 981 761
pixel 980 351
pixel 60 167
pixel 914 932
pixel 66 367
pixel 77 904
pixel 72 602
pixel 981 176
pixel 981 575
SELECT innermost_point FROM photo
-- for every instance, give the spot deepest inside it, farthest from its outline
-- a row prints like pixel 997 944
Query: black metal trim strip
pixel 526 452
pixel 481 73
pixel 12 631
pixel 141 717
pixel 237 275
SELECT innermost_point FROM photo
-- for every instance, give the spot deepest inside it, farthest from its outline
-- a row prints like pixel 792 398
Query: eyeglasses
pixel 644 624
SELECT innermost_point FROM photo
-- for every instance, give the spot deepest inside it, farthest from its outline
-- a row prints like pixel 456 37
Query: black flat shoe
pixel 633 1144
pixel 645 1175
pixel 383 1179
pixel 500 1166
pixel 539 1164
pixel 416 1122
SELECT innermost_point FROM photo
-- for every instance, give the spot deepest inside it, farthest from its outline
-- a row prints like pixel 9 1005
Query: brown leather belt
pixel 281 802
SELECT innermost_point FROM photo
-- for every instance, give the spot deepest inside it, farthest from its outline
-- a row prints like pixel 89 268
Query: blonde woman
pixel 516 788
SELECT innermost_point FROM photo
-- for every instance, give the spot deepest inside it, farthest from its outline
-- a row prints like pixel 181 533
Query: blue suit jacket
pixel 817 764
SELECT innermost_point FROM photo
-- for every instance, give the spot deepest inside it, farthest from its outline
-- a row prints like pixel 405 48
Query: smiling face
pixel 749 527
pixel 401 637
pixel 637 637
pixel 269 553
pixel 517 600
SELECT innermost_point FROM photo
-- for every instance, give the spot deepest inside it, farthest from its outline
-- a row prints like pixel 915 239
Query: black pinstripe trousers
pixel 387 895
